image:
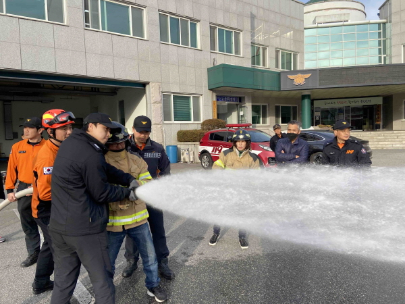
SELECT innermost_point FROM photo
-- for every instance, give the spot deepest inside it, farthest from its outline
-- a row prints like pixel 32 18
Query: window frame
pixel 403 112
pixel 233 40
pixel 191 108
pixel 283 105
pixel 264 53
pixel 189 20
pixel 261 114
pixel 293 54
pixel 37 19
pixel 100 29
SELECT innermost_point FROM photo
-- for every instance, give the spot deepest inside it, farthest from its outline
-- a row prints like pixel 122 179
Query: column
pixel 306 110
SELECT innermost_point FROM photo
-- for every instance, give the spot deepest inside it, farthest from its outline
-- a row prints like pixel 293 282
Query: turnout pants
pixel 156 224
pixel 28 224
pixel 45 259
pixel 92 252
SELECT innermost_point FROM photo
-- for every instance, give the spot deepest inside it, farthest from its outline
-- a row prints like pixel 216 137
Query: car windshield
pixel 259 136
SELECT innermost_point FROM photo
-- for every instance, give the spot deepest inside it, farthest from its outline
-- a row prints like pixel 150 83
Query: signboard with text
pixel 352 102
pixel 228 98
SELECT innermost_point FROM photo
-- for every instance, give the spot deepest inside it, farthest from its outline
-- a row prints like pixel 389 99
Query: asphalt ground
pixel 269 271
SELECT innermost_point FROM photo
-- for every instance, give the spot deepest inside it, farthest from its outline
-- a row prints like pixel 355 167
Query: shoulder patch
pixel 254 156
pixel 48 170
pixel 227 151
pixel 363 151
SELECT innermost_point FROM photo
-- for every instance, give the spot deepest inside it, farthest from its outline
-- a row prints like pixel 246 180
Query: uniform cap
pixel 142 123
pixel 32 122
pixel 101 118
pixel 341 124
pixel 276 126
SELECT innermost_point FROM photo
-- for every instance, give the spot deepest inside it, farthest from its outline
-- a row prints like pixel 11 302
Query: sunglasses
pixel 62 118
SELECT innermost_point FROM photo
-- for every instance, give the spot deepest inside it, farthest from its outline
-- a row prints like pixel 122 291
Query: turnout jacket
pixel 128 214
pixel 299 147
pixel 275 139
pixel 154 155
pixel 20 163
pixel 82 186
pixel 43 166
pixel 230 159
pixel 351 155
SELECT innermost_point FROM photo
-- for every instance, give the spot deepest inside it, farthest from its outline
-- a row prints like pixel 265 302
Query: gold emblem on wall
pixel 299 79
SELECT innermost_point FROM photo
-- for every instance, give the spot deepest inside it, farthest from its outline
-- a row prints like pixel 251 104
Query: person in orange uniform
pixel 58 125
pixel 20 168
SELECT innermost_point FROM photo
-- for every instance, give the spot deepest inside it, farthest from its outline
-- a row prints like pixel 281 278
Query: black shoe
pixel 2 239
pixel 130 268
pixel 243 243
pixel 214 239
pixel 165 271
pixel 48 286
pixel 157 292
pixel 30 260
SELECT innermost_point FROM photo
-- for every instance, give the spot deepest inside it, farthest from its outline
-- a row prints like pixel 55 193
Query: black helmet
pixel 241 135
pixel 118 134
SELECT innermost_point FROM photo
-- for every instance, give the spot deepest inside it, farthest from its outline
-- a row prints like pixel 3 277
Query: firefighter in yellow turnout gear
pixel 237 157
pixel 129 218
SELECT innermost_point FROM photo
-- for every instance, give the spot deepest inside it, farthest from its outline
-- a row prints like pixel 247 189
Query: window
pixel 178 30
pixel 184 108
pixel 225 41
pixel 284 114
pixel 38 9
pixel 220 136
pixel 114 17
pixel 286 60
pixel 259 114
pixel 259 56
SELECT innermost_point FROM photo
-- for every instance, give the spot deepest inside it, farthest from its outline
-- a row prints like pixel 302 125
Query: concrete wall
pixel 395 10
pixel 398 113
pixel 332 11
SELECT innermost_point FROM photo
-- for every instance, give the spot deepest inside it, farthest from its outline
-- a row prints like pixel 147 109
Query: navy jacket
pixel 299 147
pixel 82 186
pixel 352 154
pixel 275 139
pixel 154 155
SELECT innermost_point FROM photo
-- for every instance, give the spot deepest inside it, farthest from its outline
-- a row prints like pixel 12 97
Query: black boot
pixel 130 268
pixel 38 290
pixel 30 260
pixel 165 271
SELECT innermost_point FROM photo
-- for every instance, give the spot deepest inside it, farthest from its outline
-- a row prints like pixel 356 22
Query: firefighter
pixel 130 219
pixel 82 186
pixel 58 125
pixel 20 168
pixel 278 135
pixel 237 157
pixel 343 151
pixel 158 165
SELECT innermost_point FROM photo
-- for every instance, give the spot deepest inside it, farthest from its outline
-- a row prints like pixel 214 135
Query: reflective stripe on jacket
pixel 230 159
pixel 126 213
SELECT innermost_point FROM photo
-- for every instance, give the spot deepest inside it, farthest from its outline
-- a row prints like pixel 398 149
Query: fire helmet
pixel 119 134
pixel 241 134
pixel 57 118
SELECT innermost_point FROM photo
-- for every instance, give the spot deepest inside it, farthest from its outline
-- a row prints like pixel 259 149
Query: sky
pixel 371 8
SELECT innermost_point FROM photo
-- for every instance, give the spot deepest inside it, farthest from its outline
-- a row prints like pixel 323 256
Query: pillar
pixel 306 110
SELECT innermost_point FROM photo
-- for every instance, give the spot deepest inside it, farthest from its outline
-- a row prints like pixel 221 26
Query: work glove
pixel 132 187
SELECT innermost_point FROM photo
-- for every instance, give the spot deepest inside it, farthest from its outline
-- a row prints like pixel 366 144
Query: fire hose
pixel 18 195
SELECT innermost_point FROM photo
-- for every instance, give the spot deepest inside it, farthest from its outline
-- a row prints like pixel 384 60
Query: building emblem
pixel 299 79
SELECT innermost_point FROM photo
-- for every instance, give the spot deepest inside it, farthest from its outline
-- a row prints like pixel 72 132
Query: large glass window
pixel 284 114
pixel 178 30
pixel 114 17
pixel 38 9
pixel 225 41
pixel 185 108
pixel 259 114
pixel 286 60
pixel 259 55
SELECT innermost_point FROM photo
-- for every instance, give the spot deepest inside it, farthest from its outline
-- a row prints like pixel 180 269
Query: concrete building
pixel 133 57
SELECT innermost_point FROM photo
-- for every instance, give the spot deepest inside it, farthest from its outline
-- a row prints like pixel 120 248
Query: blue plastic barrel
pixel 172 153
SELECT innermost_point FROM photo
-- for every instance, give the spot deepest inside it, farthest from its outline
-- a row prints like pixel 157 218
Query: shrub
pixel 190 135
pixel 212 124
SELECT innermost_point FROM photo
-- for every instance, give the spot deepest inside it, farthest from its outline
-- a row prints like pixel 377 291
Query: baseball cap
pixel 341 124
pixel 101 118
pixel 32 122
pixel 142 123
pixel 276 126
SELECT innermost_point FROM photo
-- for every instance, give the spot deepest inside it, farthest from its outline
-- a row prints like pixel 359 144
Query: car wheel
pixel 316 158
pixel 206 160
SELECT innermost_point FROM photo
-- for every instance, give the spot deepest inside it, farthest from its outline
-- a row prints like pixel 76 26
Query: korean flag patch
pixel 363 151
pixel 48 170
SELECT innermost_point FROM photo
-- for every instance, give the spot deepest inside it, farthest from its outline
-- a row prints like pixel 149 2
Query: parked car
pixel 213 142
pixel 317 139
